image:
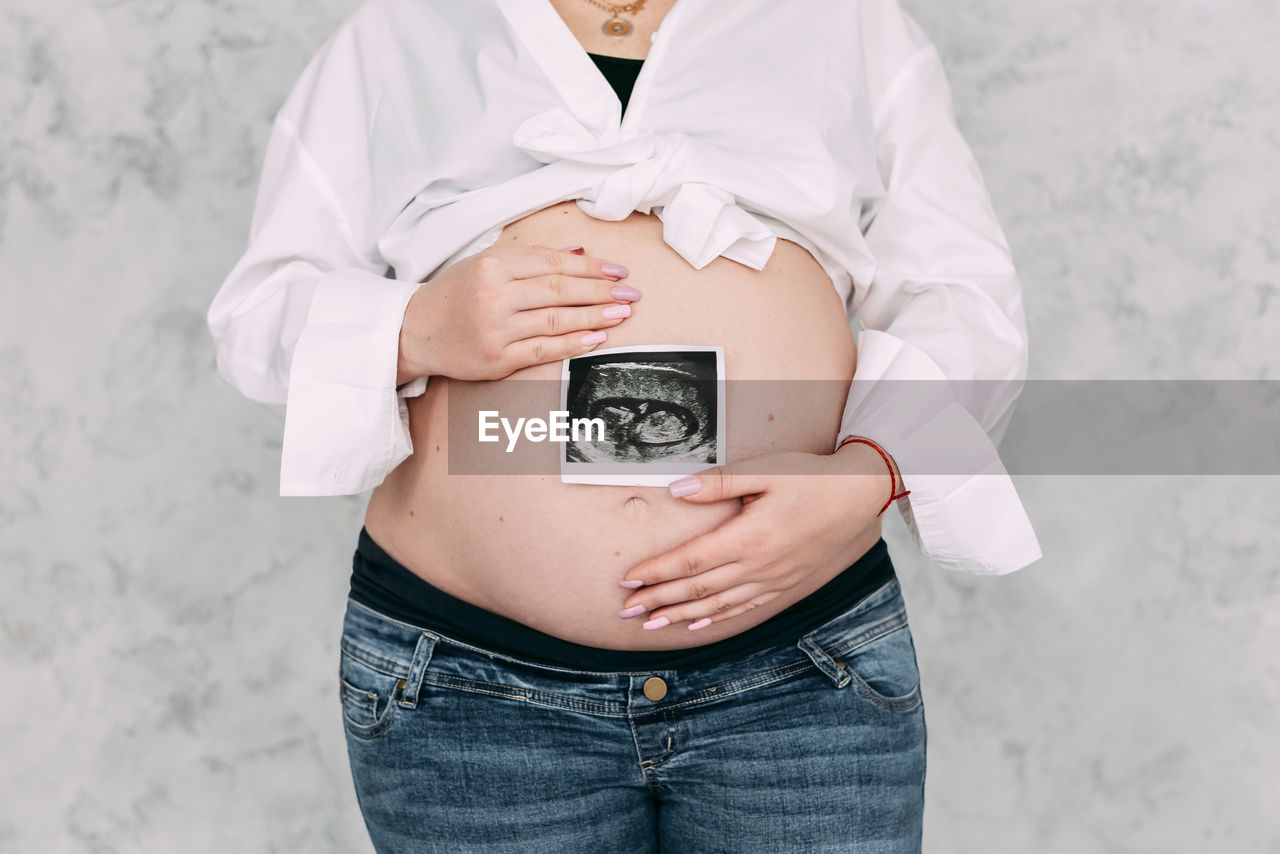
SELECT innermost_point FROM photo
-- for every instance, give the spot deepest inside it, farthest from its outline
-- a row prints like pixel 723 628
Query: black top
pixel 621 74
pixel 383 584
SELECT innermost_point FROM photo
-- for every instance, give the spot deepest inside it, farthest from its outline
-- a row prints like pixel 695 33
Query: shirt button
pixel 654 688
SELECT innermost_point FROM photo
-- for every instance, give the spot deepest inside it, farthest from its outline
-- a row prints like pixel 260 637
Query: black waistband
pixel 383 584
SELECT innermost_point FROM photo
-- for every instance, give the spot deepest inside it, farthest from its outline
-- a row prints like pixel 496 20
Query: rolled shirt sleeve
pixel 942 355
pixel 308 320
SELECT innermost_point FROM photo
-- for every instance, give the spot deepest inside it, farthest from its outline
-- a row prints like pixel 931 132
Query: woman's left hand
pixel 800 512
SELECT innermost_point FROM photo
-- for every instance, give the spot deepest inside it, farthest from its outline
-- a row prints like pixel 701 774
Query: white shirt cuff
pixel 963 511
pixel 346 425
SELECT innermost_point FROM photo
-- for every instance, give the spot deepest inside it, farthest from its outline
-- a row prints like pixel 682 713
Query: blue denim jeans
pixel 811 746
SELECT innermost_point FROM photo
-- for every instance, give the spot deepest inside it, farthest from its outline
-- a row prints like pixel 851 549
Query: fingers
pixel 724 596
pixel 719 483
pixel 713 592
pixel 557 321
pixel 552 348
pixel 553 289
pixel 546 277
pixel 711 617
pixel 527 262
pixel 720 546
pixel 560 301
pixel 713 609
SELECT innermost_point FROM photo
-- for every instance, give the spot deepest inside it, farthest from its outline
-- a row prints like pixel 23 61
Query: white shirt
pixel 419 130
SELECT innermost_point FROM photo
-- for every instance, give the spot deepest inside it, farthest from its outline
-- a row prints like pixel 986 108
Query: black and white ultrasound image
pixel 656 407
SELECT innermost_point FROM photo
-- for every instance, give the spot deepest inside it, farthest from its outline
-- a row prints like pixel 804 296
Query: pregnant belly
pixel 519 542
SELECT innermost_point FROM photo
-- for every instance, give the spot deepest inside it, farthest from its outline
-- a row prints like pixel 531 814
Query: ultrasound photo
pixel 643 416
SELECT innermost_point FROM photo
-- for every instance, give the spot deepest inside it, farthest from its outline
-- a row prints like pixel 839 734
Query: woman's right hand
pixel 508 308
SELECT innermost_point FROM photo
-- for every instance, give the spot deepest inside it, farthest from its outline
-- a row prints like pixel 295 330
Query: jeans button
pixel 654 688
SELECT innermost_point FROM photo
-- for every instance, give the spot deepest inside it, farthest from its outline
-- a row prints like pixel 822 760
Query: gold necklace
pixel 615 26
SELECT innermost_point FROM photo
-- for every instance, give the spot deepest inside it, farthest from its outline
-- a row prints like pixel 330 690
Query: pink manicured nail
pixel 616 270
pixel 614 312
pixel 630 585
pixel 625 292
pixel 684 486
pixel 592 338
pixel 657 623
pixel 699 624
pixel 572 249
pixel 633 611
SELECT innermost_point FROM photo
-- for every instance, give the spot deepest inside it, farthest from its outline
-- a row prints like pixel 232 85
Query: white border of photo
pixel 642 474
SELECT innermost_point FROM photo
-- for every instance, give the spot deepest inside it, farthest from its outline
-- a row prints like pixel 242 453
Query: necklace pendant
pixel 617 27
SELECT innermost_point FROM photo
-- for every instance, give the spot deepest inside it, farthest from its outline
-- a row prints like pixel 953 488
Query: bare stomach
pixel 550 554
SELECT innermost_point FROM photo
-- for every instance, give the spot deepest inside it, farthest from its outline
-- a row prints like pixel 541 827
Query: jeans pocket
pixel 369 692
pixel 882 667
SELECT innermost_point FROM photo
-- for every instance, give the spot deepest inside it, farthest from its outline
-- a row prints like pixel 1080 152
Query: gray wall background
pixel 169 626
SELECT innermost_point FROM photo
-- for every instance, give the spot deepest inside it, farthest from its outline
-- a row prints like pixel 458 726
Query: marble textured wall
pixel 168 630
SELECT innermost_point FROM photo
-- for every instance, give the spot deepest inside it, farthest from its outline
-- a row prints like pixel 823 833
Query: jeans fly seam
pixel 646 767
pixel 667 753
pixel 673 745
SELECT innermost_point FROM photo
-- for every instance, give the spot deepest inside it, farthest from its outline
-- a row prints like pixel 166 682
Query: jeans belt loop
pixel 417 669
pixel 823 661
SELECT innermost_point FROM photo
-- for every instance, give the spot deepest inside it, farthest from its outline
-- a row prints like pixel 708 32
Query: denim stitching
pixel 723 689
pixel 894 704
pixel 371 731
pixel 377 662
pixel 370 698
pixel 873 633
pixel 865 602
pixel 445 680
pixel 377 615
pixel 904 703
pixel 743 680
pixel 522 661
pixel 424 651
pixel 561 701
pixel 641 762
pixel 673 745
pixel 795 670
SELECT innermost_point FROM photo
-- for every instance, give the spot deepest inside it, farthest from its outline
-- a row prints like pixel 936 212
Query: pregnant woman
pixel 456 198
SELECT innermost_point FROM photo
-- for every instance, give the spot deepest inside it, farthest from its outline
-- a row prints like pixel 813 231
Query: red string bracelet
pixel 892 477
